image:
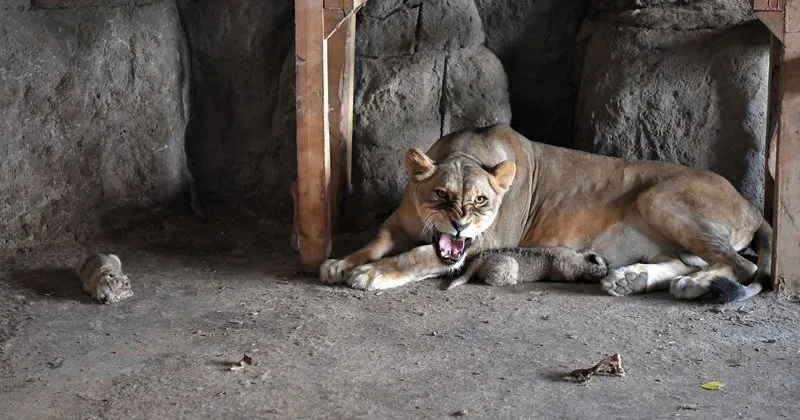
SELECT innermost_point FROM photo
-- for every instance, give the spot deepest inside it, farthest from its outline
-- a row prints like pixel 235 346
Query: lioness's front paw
pixel 332 271
pixel 623 282
pixel 372 277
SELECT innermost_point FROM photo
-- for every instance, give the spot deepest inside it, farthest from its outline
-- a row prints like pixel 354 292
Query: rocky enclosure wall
pixel 106 106
pixel 679 81
pixel 91 116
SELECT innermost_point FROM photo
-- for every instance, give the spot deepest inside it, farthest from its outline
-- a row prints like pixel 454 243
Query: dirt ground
pixel 205 295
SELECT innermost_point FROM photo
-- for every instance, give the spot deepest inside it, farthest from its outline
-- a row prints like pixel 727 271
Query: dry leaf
pixel 610 365
pixel 712 385
pixel 246 361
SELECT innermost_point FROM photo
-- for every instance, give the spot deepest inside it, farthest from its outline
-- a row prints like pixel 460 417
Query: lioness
pixel 658 225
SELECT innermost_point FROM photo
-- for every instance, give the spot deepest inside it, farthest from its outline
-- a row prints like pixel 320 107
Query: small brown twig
pixel 610 365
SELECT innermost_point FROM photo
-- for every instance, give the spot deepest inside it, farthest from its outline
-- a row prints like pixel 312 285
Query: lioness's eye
pixel 480 199
pixel 441 194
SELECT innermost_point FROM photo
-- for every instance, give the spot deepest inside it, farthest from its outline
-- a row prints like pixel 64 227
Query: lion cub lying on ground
pixel 658 226
pixel 103 279
pixel 503 267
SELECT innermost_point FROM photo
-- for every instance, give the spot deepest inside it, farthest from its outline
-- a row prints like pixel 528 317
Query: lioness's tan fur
pixel 658 225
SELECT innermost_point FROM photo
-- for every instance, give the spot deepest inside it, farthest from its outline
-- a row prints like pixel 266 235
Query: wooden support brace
pixel 772 14
pixel 786 216
pixel 313 149
pixel 325 63
pixel 341 66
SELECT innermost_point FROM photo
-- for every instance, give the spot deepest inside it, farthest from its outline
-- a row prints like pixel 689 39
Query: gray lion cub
pixel 506 266
pixel 103 279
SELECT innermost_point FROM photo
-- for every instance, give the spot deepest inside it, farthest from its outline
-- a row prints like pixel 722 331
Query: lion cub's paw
pixel 687 287
pixel 103 279
pixel 332 271
pixel 624 281
pixel 501 271
pixel 595 267
pixel 373 277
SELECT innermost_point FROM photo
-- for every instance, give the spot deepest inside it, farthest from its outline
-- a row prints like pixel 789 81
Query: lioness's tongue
pixel 450 246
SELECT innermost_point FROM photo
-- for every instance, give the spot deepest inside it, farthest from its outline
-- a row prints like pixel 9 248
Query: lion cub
pixel 103 279
pixel 506 266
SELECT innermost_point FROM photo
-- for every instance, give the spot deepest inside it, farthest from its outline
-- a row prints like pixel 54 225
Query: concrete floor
pixel 205 295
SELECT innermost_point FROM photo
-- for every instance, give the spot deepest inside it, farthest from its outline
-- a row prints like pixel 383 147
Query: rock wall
pixel 537 42
pixel 240 142
pixel 423 63
pixel 105 104
pixel 677 81
pixel 423 68
pixel 437 66
pixel 91 117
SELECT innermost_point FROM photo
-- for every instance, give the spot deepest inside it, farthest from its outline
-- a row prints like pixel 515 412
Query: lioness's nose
pixel 459 226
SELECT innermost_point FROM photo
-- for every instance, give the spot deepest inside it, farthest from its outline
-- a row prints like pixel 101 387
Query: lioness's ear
pixel 504 173
pixel 418 164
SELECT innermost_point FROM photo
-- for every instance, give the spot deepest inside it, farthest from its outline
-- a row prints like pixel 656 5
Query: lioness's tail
pixel 727 290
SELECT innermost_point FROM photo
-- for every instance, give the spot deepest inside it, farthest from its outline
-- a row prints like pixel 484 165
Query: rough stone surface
pixel 537 42
pixel 14 4
pixel 449 25
pixel 398 28
pixel 241 139
pixel 64 4
pixel 91 118
pixel 428 76
pixel 424 68
pixel 474 90
pixel 409 90
pixel 676 14
pixel 694 97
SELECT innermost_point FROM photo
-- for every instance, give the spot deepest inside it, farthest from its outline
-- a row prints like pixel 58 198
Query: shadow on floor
pixel 51 283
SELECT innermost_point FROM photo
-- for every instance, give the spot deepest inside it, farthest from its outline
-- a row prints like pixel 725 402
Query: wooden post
pixel 786 216
pixel 341 60
pixel 313 150
pixel 782 18
pixel 771 139
pixel 325 58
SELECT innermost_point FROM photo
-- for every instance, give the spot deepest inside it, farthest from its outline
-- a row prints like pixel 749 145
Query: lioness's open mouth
pixel 451 249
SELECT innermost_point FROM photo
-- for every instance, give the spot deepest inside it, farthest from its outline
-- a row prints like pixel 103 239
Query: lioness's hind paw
pixel 332 271
pixel 622 283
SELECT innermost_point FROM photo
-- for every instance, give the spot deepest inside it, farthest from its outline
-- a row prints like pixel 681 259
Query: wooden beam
pixel 786 265
pixel 344 4
pixel 334 18
pixel 338 17
pixel 770 5
pixel 771 138
pixel 774 21
pixel 347 93
pixel 341 59
pixel 313 151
